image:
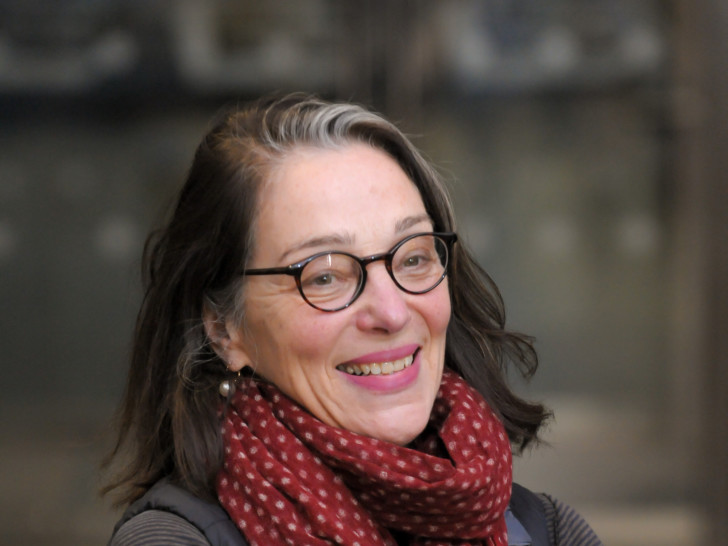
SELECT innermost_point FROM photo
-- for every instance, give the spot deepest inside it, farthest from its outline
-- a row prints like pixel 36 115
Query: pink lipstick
pixel 384 371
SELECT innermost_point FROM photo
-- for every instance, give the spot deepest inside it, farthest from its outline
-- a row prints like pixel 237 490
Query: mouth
pixel 377 368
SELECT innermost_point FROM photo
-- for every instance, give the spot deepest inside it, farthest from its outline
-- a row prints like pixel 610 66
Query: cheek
pixel 311 338
pixel 300 339
pixel 437 310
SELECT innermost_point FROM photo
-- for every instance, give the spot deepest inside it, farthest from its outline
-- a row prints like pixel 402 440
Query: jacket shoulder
pixel 566 525
pixel 529 510
pixel 165 499
pixel 157 527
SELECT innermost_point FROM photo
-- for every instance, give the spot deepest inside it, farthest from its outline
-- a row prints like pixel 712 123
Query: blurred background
pixel 586 145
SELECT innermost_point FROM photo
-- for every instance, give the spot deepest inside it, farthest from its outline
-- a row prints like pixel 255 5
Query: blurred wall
pixel 586 173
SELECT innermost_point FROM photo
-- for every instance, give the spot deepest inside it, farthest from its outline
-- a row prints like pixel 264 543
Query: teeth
pixel 377 368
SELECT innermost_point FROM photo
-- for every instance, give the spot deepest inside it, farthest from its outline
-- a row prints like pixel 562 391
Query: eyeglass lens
pixel 333 280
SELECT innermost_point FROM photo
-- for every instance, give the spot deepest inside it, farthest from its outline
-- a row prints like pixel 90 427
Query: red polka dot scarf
pixel 290 479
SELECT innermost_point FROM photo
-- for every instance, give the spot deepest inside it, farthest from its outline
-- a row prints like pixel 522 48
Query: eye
pixel 329 273
pixel 320 279
pixel 323 279
pixel 414 260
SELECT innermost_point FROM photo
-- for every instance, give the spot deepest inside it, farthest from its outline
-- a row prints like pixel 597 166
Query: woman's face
pixel 357 200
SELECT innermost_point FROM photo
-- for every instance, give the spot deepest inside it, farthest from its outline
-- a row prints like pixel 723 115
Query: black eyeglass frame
pixel 296 269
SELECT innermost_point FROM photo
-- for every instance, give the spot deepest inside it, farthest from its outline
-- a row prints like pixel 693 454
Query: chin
pixel 402 429
pixel 403 438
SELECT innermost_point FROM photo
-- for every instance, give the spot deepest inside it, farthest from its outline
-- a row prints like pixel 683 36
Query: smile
pixel 377 368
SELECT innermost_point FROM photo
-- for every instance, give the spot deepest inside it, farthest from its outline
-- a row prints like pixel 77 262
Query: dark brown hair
pixel 169 416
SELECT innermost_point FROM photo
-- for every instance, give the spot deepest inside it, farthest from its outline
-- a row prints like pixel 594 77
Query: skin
pixel 359 200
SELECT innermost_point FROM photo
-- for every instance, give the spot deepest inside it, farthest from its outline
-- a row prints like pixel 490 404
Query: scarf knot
pixel 288 478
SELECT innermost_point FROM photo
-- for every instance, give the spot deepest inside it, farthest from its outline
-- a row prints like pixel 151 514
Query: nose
pixel 382 305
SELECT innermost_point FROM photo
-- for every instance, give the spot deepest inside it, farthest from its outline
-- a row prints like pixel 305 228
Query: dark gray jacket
pixel 526 517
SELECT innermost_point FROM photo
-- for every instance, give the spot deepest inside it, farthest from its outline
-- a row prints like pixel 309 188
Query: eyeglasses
pixel 332 281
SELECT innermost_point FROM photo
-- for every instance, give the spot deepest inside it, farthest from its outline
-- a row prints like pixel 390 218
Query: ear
pixel 227 340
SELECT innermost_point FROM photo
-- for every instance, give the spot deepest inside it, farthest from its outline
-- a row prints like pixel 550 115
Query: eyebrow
pixel 348 239
pixel 406 223
pixel 328 240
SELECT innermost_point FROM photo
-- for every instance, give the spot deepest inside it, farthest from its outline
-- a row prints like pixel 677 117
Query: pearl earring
pixel 227 386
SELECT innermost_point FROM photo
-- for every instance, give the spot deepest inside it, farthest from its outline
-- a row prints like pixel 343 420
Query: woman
pixel 317 359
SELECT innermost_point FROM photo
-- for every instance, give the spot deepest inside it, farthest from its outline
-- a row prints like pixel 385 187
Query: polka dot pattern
pixel 290 479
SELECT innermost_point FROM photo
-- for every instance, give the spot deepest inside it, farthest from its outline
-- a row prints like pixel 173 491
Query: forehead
pixel 356 189
pixel 313 178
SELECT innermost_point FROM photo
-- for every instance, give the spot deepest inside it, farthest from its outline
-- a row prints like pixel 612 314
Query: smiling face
pixel 375 367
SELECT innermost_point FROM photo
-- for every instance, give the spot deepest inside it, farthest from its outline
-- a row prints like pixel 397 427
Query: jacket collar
pixel 517 534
